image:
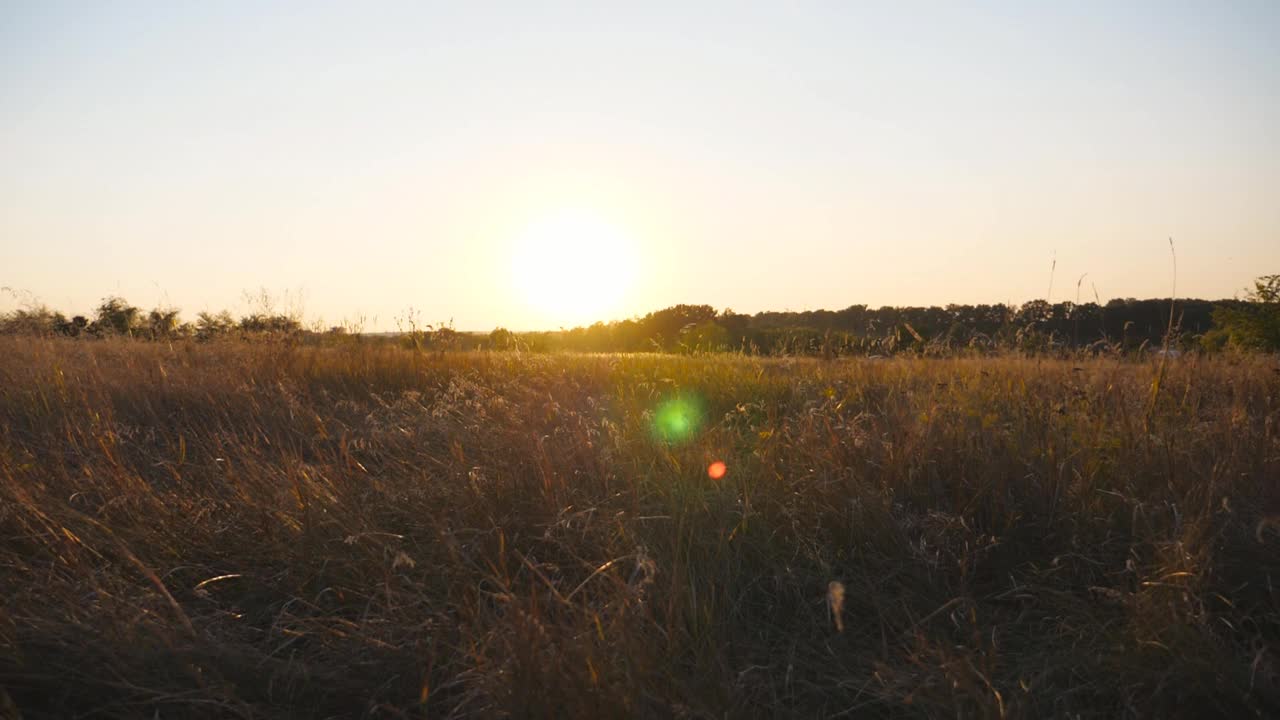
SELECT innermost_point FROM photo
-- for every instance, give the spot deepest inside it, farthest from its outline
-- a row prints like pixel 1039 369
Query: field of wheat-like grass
pixel 258 530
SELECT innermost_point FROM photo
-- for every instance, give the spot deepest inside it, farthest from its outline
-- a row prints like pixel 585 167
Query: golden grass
pixel 236 530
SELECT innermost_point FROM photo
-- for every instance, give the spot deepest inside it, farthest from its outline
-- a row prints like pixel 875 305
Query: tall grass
pixel 252 530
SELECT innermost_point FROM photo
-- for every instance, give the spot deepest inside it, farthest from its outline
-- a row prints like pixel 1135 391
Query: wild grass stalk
pixel 258 530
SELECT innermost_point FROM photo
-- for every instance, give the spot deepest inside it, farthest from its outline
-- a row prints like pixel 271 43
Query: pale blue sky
pixel 382 156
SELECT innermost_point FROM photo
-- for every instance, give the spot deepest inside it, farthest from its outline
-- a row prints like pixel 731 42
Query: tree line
pixel 1121 325
pixel 116 317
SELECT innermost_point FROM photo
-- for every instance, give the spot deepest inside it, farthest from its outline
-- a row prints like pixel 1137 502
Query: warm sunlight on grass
pixel 572 266
pixel 386 533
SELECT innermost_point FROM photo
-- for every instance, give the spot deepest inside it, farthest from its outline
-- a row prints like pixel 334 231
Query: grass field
pixel 257 530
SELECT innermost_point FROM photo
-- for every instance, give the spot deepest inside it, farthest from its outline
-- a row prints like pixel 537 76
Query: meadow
pixel 267 530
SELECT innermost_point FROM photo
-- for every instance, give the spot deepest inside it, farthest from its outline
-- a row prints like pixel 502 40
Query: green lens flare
pixel 676 420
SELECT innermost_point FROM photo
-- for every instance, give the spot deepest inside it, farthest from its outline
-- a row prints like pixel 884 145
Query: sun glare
pixel 572 267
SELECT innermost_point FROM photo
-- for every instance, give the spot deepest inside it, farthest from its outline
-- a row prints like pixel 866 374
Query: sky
pixel 545 164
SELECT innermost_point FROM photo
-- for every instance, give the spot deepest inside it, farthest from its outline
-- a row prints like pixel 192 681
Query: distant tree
pixel 663 327
pixel 536 341
pixel 444 338
pixel 34 320
pixel 502 339
pixel 1253 324
pixel 162 323
pixel 210 326
pixel 1034 312
pixel 735 325
pixel 116 316
pixel 72 327
pixel 706 336
pixel 262 324
pixel 628 336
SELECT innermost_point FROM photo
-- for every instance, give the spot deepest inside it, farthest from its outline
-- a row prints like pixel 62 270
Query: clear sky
pixel 373 157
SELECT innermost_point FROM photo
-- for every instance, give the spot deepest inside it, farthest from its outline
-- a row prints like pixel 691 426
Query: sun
pixel 572 267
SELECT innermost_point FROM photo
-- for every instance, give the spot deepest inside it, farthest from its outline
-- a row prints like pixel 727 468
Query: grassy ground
pixel 258 531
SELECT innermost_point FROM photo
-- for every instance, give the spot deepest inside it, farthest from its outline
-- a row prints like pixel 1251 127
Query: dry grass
pixel 262 531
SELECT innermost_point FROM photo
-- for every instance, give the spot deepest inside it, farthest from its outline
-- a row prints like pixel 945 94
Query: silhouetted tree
pixel 162 323
pixel 116 316
pixel 706 336
pixel 1254 324
pixel 502 339
pixel 210 326
pixel 72 327
pixel 663 327
pixel 260 324
pixel 34 320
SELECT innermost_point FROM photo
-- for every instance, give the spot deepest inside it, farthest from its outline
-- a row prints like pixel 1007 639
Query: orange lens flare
pixel 717 470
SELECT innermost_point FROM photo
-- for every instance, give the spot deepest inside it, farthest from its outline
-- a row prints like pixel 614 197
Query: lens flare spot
pixel 676 420
pixel 717 470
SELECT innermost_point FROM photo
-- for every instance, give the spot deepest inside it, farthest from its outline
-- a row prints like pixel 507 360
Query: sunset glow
pixel 572 266
pixel 532 167
pixel 569 359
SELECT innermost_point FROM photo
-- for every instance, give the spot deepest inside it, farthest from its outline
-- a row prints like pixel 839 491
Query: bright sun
pixel 572 267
